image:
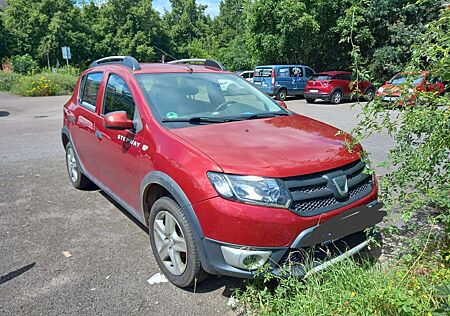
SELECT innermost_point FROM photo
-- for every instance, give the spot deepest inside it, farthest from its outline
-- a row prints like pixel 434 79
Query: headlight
pixel 251 189
pixel 380 90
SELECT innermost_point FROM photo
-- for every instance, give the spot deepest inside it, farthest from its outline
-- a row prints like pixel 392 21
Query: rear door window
pixel 118 97
pixel 343 77
pixel 296 72
pixel 89 90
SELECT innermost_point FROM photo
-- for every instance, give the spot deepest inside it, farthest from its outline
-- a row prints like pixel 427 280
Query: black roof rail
pixel 127 61
pixel 199 61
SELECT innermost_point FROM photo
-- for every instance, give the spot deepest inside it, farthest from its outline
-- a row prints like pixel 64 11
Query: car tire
pixel 310 100
pixel 282 94
pixel 174 244
pixel 369 94
pixel 77 178
pixel 336 97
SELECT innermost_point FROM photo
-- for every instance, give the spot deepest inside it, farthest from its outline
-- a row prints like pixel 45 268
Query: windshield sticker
pixel 171 115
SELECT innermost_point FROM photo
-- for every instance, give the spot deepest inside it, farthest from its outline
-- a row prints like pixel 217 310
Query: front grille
pixel 316 193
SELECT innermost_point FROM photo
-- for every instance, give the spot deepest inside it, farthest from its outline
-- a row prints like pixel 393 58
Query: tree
pixel 185 22
pixel 281 31
pixel 126 27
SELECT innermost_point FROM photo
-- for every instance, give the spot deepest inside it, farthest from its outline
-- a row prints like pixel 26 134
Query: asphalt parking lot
pixel 64 251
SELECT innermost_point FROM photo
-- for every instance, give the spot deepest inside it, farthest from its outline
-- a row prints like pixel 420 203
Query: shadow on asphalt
pixel 4 113
pixel 212 283
pixel 14 274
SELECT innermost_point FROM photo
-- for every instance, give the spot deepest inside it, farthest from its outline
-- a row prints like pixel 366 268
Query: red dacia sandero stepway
pixel 225 178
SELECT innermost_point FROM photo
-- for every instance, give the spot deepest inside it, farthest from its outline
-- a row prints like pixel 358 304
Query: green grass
pixel 348 288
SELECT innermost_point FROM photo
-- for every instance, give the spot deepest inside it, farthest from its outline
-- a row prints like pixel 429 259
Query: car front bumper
pixel 313 250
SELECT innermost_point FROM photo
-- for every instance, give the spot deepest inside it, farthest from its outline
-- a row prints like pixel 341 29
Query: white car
pixel 246 74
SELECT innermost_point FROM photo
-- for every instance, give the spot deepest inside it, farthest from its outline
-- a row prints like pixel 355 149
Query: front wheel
pixel 370 94
pixel 281 95
pixel 173 244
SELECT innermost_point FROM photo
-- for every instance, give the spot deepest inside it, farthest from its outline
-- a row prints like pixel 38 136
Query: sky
pixel 212 10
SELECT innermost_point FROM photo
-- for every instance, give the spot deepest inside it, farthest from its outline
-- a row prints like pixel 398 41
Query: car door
pixel 343 81
pixel 297 80
pixel 87 120
pixel 284 79
pixel 120 149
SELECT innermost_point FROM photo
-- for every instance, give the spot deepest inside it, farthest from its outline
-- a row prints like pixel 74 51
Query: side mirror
pixel 386 82
pixel 117 120
pixel 282 104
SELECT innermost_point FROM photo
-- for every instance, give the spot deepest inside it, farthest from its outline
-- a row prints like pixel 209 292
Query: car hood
pixel 275 147
pixel 390 89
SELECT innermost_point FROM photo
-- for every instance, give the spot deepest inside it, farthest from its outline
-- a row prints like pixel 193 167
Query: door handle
pixel 98 134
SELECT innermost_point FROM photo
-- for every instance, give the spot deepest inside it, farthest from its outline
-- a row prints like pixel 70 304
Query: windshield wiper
pixel 264 115
pixel 199 119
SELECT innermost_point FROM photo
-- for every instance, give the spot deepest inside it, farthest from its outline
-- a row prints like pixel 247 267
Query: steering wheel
pixel 223 105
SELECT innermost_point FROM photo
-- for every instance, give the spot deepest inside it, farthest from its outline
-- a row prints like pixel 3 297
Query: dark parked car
pixel 335 86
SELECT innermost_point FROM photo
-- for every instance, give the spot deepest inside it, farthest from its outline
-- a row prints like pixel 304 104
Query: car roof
pixel 149 68
pixel 334 73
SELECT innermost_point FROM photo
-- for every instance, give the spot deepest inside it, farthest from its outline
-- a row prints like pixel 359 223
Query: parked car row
pixel 281 81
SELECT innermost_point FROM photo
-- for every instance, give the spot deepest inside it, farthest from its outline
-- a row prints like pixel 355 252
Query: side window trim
pixel 84 104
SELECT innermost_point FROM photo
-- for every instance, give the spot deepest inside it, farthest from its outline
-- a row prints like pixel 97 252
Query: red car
pixel 391 91
pixel 224 178
pixel 335 86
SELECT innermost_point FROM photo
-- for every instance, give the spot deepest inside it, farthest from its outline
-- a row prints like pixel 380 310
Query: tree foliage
pixel 245 33
pixel 419 165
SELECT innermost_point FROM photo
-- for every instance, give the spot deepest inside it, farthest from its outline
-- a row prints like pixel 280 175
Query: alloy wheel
pixel 170 242
pixel 72 166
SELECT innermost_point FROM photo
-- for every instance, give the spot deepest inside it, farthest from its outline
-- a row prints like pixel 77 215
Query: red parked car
pixel 391 91
pixel 225 179
pixel 335 86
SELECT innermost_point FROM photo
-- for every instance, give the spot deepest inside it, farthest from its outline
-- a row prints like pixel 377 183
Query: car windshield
pixel 320 77
pixel 193 98
pixel 402 78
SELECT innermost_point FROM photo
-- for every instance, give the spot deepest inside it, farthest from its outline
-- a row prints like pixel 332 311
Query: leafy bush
pixel 44 84
pixel 348 288
pixel 7 80
pixel 24 64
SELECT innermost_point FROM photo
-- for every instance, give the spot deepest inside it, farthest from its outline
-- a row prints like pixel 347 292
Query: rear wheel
pixel 282 94
pixel 173 244
pixel 77 178
pixel 336 97
pixel 310 100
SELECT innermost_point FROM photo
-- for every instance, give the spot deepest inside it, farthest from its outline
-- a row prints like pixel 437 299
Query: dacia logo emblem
pixel 341 185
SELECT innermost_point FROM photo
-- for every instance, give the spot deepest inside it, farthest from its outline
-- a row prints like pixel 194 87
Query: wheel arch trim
pixel 168 183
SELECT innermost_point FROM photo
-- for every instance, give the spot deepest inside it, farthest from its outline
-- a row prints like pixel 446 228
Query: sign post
pixel 66 54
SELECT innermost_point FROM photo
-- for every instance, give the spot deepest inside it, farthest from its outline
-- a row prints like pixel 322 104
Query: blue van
pixel 282 80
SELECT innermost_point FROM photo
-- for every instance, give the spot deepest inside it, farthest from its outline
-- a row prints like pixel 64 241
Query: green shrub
pixel 7 80
pixel 348 288
pixel 44 84
pixel 24 64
